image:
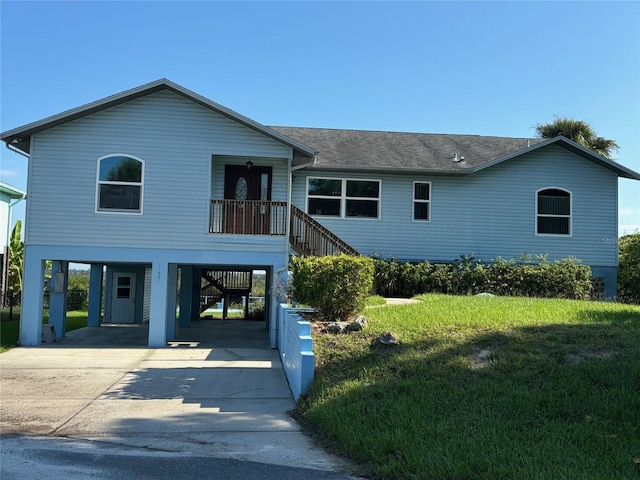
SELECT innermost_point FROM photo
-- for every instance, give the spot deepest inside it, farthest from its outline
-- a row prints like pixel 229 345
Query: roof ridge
pixel 404 132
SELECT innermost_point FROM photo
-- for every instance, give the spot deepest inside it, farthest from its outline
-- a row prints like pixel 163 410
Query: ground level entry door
pixel 248 189
pixel 123 298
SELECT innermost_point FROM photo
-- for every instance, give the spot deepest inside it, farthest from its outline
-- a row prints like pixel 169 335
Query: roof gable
pixel 20 137
pixel 573 147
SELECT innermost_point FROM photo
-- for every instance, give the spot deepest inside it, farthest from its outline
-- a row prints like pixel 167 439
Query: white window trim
pixel 343 197
pixel 570 216
pixel 414 201
pixel 98 183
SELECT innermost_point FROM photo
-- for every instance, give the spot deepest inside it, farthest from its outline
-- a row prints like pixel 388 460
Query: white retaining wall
pixel 296 349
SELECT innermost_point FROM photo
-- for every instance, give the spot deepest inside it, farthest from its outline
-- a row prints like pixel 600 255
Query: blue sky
pixel 487 68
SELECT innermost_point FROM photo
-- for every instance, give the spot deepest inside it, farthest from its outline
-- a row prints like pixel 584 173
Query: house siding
pixel 176 138
pixel 490 213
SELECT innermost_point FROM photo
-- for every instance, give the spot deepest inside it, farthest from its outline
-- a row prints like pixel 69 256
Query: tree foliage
pixel 126 170
pixel 580 132
pixel 16 258
pixel 629 268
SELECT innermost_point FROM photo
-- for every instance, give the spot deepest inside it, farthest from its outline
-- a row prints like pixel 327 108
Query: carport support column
pixel 172 299
pixel 158 307
pixel 186 297
pixel 196 293
pixel 162 321
pixel 32 299
pixel 58 297
pixel 95 295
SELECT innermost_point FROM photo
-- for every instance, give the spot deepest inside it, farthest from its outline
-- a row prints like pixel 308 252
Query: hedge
pixel 529 276
pixel 629 268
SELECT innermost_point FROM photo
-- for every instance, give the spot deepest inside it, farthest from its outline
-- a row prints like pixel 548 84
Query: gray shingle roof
pixel 344 149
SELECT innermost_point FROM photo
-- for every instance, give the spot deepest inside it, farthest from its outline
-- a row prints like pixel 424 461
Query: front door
pixel 249 189
pixel 123 299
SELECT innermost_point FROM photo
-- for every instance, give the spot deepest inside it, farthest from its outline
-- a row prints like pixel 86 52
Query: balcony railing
pixel 248 217
pixel 308 237
pixel 257 217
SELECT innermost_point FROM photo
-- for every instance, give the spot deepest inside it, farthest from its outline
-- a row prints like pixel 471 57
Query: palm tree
pixel 580 132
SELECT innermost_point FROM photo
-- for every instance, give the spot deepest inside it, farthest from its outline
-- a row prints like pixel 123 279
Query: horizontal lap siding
pixel 490 213
pixel 175 137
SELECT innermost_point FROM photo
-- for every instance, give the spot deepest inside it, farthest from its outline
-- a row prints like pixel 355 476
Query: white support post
pixel 158 311
pixel 95 295
pixel 172 292
pixel 186 295
pixel 32 299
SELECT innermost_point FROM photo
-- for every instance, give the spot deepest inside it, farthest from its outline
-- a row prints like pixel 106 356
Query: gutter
pixel 15 150
pixel 393 170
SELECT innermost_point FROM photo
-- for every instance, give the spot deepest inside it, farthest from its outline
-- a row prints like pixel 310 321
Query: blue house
pixel 170 193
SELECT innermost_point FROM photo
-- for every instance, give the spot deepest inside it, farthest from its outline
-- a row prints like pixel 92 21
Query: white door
pixel 123 300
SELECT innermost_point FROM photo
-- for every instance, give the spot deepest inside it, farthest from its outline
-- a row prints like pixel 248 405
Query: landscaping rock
pixel 484 294
pixel 482 358
pixel 358 324
pixel 336 327
pixel 389 338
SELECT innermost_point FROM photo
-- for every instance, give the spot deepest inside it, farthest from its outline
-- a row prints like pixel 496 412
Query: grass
pixel 484 388
pixel 10 330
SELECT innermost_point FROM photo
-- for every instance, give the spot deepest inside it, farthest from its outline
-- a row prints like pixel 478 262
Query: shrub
pixel 629 268
pixel 336 286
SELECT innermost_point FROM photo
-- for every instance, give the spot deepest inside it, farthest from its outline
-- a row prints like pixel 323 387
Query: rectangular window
pixel 343 198
pixel 422 201
pixel 124 287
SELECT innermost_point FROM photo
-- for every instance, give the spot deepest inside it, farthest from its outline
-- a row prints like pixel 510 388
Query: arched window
pixel 120 181
pixel 553 212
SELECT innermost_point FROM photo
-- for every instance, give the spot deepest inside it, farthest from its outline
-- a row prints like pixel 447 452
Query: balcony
pixel 248 217
pixel 258 217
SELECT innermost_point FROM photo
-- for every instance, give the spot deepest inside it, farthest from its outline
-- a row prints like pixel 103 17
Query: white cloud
pixel 5 173
pixel 629 212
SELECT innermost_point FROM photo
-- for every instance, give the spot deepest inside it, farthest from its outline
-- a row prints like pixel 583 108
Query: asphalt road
pixel 25 458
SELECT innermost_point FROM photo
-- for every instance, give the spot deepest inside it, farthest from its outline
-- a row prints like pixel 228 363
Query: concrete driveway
pixel 219 391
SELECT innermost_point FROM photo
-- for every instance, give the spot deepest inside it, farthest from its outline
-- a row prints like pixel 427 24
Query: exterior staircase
pixel 222 285
pixel 308 237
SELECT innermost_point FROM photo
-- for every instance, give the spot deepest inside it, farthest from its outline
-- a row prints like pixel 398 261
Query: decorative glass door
pixel 248 191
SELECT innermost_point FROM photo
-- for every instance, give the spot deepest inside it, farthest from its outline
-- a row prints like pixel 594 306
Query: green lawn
pixel 10 330
pixel 484 388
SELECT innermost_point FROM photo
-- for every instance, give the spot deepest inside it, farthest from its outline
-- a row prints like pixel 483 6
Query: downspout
pixel 287 249
pixel 290 170
pixel 12 204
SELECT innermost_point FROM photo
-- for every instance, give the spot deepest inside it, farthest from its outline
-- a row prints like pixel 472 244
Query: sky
pixel 485 68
